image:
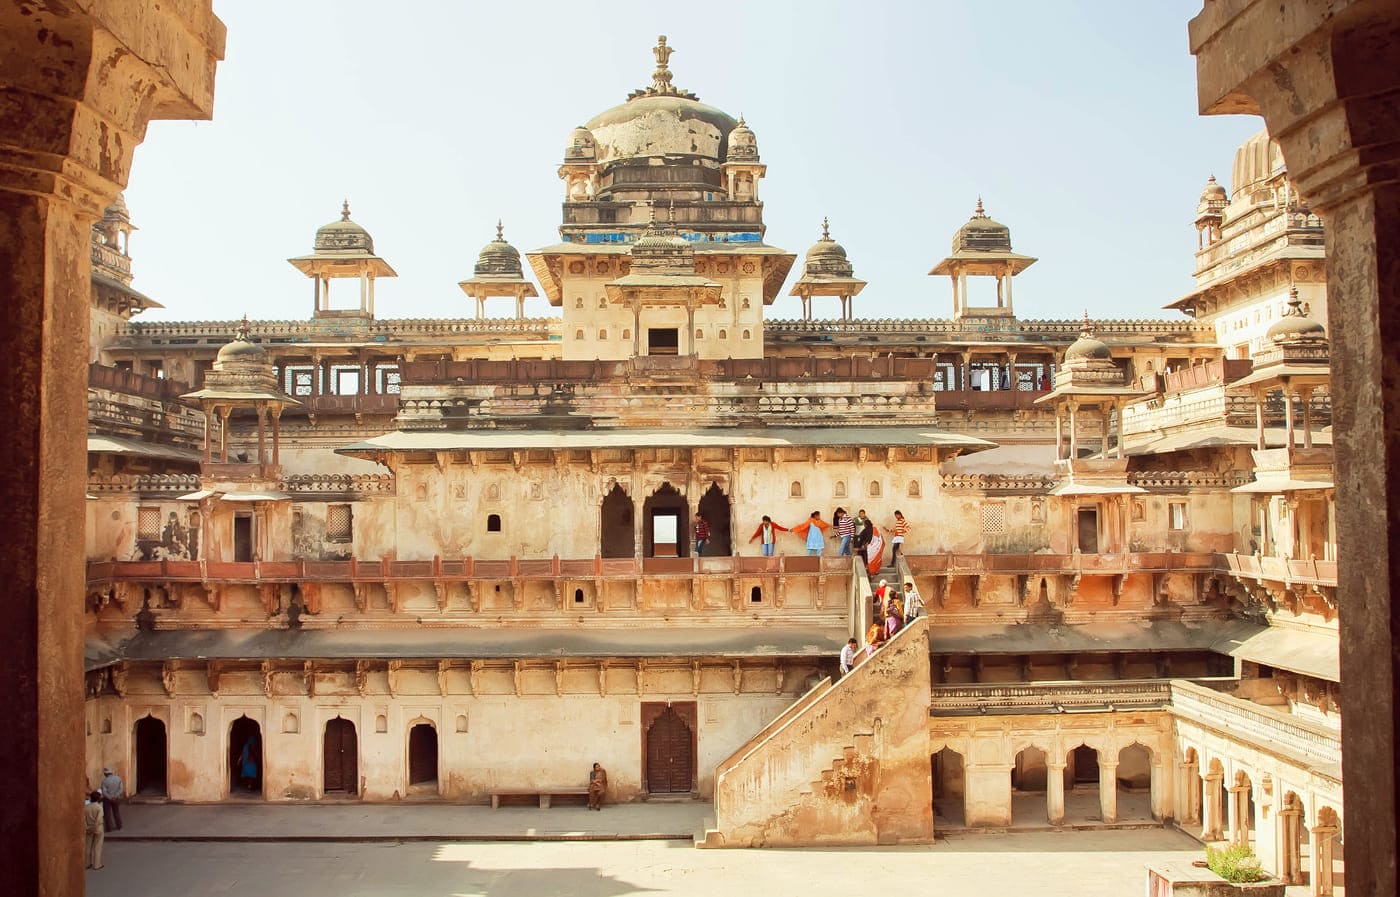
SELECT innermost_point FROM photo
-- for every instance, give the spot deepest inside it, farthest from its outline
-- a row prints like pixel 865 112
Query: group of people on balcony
pixel 857 535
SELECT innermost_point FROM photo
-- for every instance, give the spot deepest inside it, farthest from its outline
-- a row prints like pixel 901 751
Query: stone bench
pixel 544 794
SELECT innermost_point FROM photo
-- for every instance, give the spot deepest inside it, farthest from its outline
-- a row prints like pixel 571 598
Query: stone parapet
pixel 1314 746
pixel 217 333
pixel 1067 331
pixel 1049 697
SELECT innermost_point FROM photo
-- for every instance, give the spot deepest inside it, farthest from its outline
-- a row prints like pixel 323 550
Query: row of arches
pixel 244 754
pixel 668 757
pixel 1235 807
pixel 666 523
pixel 1088 787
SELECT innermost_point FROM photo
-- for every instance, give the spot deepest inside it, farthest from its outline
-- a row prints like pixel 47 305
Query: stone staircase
pixel 847 764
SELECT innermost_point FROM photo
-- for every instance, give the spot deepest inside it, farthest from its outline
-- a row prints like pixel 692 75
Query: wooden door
pixel 422 755
pixel 670 754
pixel 341 757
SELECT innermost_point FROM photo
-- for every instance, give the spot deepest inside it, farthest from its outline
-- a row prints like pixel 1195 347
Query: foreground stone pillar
pixel 1108 791
pixel 1325 75
pixel 1055 793
pixel 78 84
pixel 987 796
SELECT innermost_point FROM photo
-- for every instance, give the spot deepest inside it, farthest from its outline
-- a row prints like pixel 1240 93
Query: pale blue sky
pixel 1076 123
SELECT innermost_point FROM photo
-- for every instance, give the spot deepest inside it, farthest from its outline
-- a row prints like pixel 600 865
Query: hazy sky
pixel 1076 123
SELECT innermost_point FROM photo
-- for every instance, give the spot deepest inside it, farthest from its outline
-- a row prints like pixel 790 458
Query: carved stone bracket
pixel 213 669
pixel 361 677
pixel 167 678
pixel 476 666
pixel 444 667
pixel 268 673
pixel 444 592
pixel 361 596
pixel 738 677
pixel 393 677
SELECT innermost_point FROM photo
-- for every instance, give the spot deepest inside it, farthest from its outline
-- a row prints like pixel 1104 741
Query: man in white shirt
pixel 848 656
pixel 913 602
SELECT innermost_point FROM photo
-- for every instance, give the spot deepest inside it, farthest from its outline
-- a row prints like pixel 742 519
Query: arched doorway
pixel 670 751
pixel 423 758
pixel 245 758
pixel 151 756
pixel 618 539
pixel 1029 788
pixel 948 788
pixel 714 505
pixel 1082 802
pixel 341 772
pixel 1134 783
pixel 666 515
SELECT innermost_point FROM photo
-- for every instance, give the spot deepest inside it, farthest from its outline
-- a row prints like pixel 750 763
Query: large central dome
pixel 661 120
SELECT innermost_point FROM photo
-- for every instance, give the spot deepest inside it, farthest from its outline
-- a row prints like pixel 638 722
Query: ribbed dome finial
pixel 826 228
pixel 345 210
pixel 500 231
pixel 979 210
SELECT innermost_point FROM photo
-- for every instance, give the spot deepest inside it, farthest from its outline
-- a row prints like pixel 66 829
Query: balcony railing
pixel 101 376
pixel 1049 697
pixel 1285 570
pixel 1274 731
pixel 459 569
pixel 1030 564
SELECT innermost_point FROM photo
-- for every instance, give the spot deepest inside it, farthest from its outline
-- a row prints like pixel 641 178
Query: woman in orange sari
pixel 874 550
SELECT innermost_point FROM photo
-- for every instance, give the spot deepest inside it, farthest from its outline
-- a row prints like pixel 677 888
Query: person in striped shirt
pixel 845 526
pixel 900 530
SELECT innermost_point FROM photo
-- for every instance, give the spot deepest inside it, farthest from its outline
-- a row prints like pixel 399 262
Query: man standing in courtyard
pixel 597 786
pixel 94 830
pixel 111 799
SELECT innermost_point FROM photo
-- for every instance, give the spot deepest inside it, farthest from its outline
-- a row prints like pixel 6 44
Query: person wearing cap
pixel 913 601
pixel 111 789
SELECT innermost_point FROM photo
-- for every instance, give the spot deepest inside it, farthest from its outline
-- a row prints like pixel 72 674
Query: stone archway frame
pixel 421 720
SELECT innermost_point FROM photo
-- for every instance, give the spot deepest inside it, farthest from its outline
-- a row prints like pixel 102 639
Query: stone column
pixel 987 796
pixel 1055 793
pixel 1323 843
pixel 79 83
pixel 1159 805
pixel 1212 825
pixel 1108 790
pixel 1325 78
pixel 1239 814
pixel 1289 859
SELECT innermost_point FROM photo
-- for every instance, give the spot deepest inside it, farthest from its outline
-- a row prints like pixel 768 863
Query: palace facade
pixel 437 559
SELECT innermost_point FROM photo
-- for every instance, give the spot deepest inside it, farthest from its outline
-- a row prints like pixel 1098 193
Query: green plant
pixel 1236 864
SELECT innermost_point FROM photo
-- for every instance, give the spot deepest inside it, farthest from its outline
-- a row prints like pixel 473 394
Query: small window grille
pixel 148 523
pixel 994 518
pixel 795 490
pixel 339 523
pixel 874 488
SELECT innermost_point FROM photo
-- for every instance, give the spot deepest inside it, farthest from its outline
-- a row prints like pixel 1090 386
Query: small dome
pixel 117 211
pixel 982 233
pixel 1213 191
pixel 582 147
pixel 1295 326
pixel 498 257
pixel 344 235
pixel 827 257
pixel 241 349
pixel 743 145
pixel 1087 347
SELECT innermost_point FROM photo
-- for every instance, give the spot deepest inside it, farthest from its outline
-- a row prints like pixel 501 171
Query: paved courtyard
pixel 1082 864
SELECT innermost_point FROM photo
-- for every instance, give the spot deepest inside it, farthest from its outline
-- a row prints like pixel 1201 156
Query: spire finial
pixel 500 232
pixel 1295 305
pixel 741 120
pixel 978 210
pixel 1084 329
pixel 661 78
pixel 345 210
pixel 241 334
pixel 826 228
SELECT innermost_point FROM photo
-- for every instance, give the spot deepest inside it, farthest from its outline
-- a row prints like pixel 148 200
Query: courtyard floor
pixel 446 851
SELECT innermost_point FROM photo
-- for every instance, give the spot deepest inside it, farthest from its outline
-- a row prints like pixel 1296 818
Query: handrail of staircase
pixel 801 704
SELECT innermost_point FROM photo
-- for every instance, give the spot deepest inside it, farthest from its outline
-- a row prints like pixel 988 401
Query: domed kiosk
pixel 498 273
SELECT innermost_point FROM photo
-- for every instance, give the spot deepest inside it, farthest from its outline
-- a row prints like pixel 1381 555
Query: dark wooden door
pixel 150 756
pixel 1089 530
pixel 422 755
pixel 342 772
pixel 670 754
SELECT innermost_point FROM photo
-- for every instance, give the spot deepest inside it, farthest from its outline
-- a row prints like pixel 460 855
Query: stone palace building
pixel 393 559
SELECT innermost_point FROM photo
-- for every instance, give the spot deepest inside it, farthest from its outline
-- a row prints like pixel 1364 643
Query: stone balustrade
pixel 216 333
pixel 1066 330
pixel 176 484
pixel 1068 564
pixel 1285 570
pixel 1314 745
pixel 1049 697
pixel 997 483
